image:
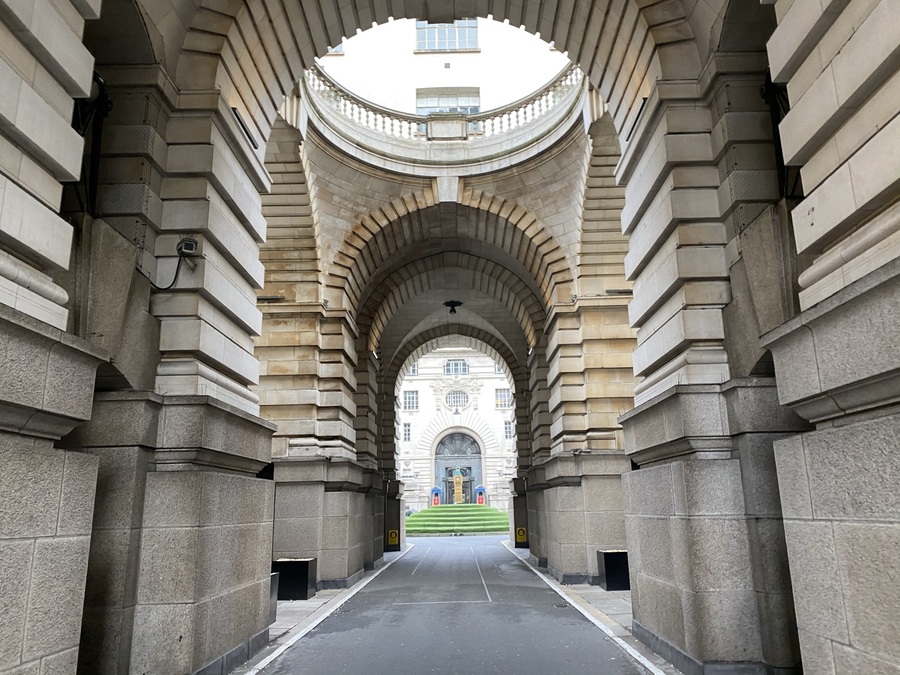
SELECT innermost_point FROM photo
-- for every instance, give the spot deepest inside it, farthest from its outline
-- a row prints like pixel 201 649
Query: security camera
pixel 187 247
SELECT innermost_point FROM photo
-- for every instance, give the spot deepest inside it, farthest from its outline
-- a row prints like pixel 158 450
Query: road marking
pixel 446 602
pixel 259 667
pixel 420 562
pixel 483 583
pixel 631 651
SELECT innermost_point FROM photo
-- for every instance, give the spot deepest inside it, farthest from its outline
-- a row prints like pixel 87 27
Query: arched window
pixel 457 445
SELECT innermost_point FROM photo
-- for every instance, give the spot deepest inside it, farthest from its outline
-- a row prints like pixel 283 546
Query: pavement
pixel 457 606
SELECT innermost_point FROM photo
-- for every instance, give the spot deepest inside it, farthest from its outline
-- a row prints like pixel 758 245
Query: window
pixel 502 398
pixel 413 369
pixel 460 35
pixel 509 429
pixel 407 431
pixel 410 400
pixel 466 100
pixel 456 367
pixel 498 369
pixel 456 399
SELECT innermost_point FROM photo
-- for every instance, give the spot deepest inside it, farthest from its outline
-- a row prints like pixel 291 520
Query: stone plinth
pixel 574 509
pixel 703 522
pixel 838 482
pixel 46 494
pixel 332 510
pixel 178 576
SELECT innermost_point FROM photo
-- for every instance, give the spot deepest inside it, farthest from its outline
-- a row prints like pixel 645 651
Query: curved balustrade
pixel 525 111
pixel 362 112
pixel 513 117
pixel 441 144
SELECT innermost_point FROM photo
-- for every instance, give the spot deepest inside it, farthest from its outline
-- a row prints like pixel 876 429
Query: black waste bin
pixel 296 578
pixel 612 570
pixel 273 597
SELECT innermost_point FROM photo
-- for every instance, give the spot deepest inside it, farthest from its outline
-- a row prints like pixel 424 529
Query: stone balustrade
pixel 400 140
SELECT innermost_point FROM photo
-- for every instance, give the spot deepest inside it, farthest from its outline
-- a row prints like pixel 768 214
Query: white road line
pixel 483 583
pixel 259 667
pixel 631 651
pixel 420 562
pixel 445 602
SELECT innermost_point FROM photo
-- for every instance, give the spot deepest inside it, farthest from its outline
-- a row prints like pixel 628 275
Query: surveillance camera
pixel 187 247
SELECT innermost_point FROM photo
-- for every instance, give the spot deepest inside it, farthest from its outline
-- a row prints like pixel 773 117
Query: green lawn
pixel 457 518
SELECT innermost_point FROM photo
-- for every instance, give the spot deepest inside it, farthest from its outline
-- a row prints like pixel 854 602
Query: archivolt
pixel 414 227
pixel 254 51
pixel 469 272
pixel 455 336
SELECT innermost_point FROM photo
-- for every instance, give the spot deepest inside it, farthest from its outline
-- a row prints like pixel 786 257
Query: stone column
pixel 327 483
pixel 580 480
pixel 46 494
pixel 211 193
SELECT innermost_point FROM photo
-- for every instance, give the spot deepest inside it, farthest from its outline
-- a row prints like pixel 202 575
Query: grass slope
pixel 457 518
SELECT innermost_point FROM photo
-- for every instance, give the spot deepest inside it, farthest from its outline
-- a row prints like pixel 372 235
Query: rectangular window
pixel 465 100
pixel 509 429
pixel 410 400
pixel 413 369
pixel 461 35
pixel 498 369
pixel 503 398
pixel 456 367
pixel 407 431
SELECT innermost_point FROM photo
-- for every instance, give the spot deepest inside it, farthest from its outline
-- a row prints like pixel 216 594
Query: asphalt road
pixel 455 606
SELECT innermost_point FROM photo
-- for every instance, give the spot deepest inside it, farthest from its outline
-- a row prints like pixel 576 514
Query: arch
pixel 254 51
pixel 124 35
pixel 367 254
pixel 466 271
pixel 434 338
pixel 457 443
pixel 470 342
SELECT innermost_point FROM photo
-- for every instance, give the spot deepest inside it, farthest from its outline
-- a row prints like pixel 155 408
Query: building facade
pixel 215 264
pixel 455 409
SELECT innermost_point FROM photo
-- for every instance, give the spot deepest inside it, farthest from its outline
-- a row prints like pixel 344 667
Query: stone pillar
pixel 706 547
pixel 179 571
pixel 329 495
pixel 212 193
pixel 46 494
pixel 837 365
pixel 326 509
pixel 580 484
pixel 45 67
pixel 122 435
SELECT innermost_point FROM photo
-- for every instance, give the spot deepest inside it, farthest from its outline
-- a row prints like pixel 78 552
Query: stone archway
pixel 198 87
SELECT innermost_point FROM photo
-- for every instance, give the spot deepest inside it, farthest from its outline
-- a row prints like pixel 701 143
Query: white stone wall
pixel 480 419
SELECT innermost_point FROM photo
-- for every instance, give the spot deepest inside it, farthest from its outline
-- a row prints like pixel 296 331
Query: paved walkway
pixel 456 605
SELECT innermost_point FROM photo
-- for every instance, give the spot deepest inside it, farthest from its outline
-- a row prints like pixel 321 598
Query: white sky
pixel 380 65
